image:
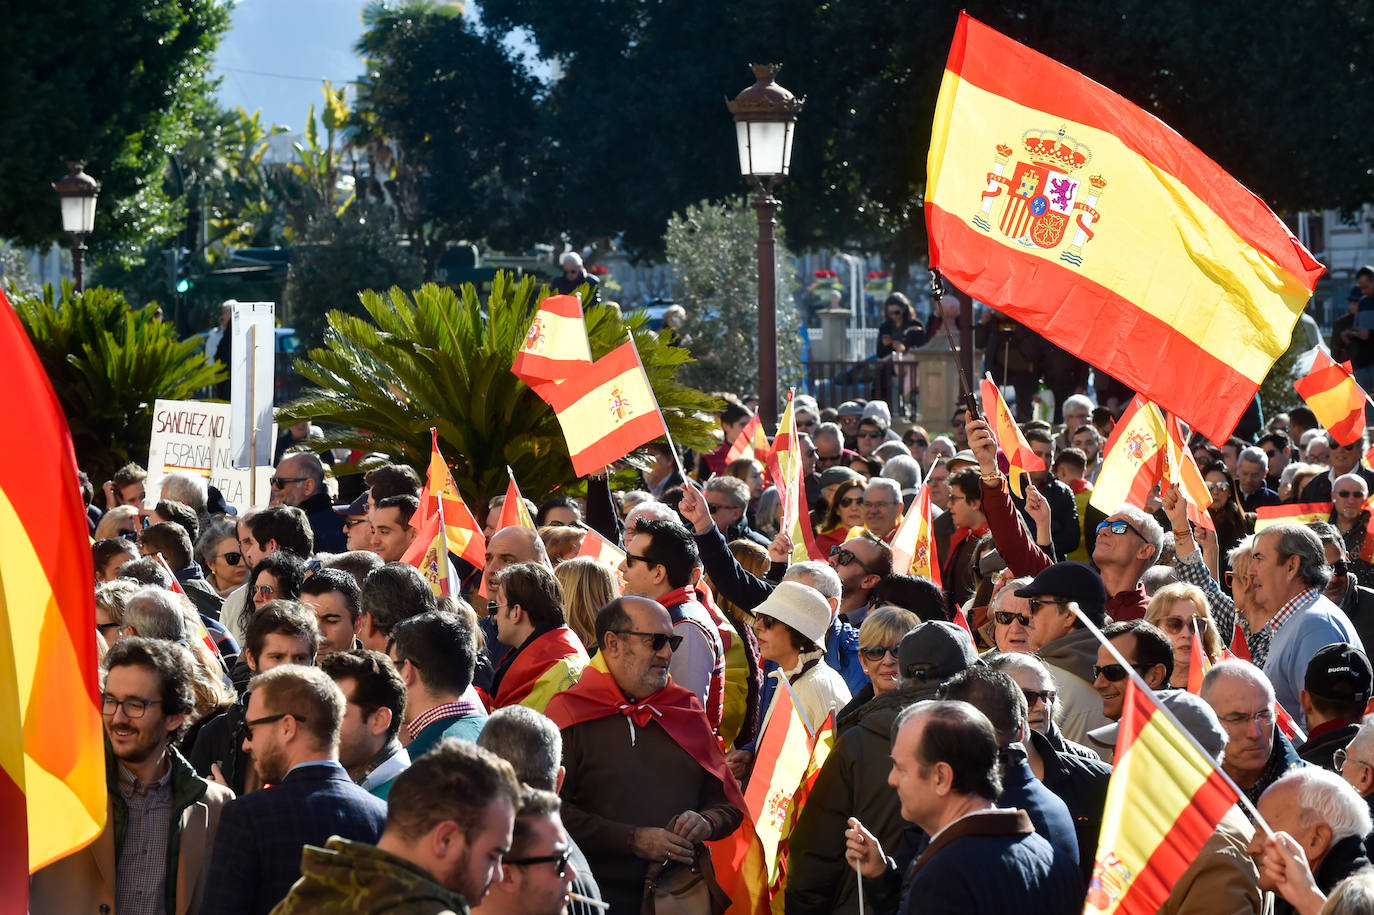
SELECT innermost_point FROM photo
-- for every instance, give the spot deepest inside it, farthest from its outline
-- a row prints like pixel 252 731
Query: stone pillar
pixel 833 348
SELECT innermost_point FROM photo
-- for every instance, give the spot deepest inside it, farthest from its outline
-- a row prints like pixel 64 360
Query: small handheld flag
pixel 1335 397
pixel 1011 444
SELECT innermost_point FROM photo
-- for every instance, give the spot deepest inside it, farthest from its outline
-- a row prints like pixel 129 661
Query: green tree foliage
pixel 112 82
pixel 340 256
pixel 713 249
pixel 460 114
pixel 439 357
pixel 108 364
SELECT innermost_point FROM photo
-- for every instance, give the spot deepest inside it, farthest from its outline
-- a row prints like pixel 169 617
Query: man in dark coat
pixel 299 481
pixel 984 859
pixel 1336 690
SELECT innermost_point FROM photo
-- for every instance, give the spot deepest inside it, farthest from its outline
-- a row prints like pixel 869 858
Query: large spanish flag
pixel 1164 800
pixel 556 345
pixel 1133 458
pixel 1012 446
pixel 1337 400
pixel 462 533
pixel 52 758
pixel 607 410
pixel 1292 513
pixel 913 548
pixel 1087 219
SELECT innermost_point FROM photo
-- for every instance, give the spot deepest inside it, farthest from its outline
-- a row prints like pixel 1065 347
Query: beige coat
pixel 84 881
pixel 1222 880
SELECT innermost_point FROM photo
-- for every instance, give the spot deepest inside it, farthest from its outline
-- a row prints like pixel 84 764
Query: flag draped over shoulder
pixel 913 547
pixel 1292 512
pixel 556 345
pixel 1014 448
pixel 607 410
pixel 52 759
pixel 1064 206
pixel 1133 458
pixel 1335 397
pixel 1163 802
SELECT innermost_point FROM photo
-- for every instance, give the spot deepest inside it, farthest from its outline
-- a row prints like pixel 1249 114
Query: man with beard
pixel 161 818
pixel 292 731
pixel 448 826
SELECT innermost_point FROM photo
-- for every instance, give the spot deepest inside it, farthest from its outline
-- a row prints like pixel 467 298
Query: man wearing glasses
pixel 299 481
pixel 447 839
pixel 1148 652
pixel 161 817
pixel 1355 762
pixel 292 730
pixel 1343 459
pixel 536 874
pixel 830 448
pixel 646 781
pixel 1257 753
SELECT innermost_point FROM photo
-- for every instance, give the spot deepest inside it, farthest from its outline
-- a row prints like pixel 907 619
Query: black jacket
pixel 220 741
pixel 1343 858
pixel 1319 749
pixel 1081 783
pixel 325 523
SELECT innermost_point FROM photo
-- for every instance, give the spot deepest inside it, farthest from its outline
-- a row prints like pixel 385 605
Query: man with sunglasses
pixel 299 481
pixel 1288 573
pixel 1343 459
pixel 536 874
pixel 1148 652
pixel 448 830
pixel 1344 590
pixel 645 780
pixel 292 731
pixel 161 817
pixel 830 448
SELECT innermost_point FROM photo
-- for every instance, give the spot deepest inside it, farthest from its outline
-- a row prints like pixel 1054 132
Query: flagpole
pixel 1145 690
pixel 677 461
pixel 937 292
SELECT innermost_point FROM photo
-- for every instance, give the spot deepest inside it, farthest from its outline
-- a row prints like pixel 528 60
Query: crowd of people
pixel 295 722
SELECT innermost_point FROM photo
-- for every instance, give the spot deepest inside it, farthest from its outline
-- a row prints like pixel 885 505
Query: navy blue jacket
pixel 1050 815
pixel 257 854
pixel 1081 783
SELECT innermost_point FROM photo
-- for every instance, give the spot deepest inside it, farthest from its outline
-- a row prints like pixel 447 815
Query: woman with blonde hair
pixel 120 521
pixel 879 637
pixel 1181 611
pixel 588 585
pixel 561 542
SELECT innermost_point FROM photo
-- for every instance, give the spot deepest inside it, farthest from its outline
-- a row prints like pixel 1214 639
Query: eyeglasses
pixel 850 501
pixel 806 424
pixel 1354 447
pixel 101 627
pixel 1038 695
pixel 1349 494
pixel 1264 716
pixel 1218 486
pixel 559 861
pixel 1118 528
pixel 630 559
pixel 264 590
pixel 877 654
pixel 917 443
pixel 350 523
pixel 129 535
pixel 1037 602
pixel 1006 618
pixel 827 458
pixel 232 558
pixel 656 639
pixel 868 504
pixel 280 482
pixel 493 608
pixel 1176 624
pixel 869 433
pixel 133 707
pixel 844 557
pixel 1271 454
pixel 1340 568
pixel 1341 755
pixel 1115 673
pixel 763 621
pixel 718 508
pixel 268 719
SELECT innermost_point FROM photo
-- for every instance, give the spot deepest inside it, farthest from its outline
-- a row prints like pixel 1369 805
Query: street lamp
pixel 77 192
pixel 765 114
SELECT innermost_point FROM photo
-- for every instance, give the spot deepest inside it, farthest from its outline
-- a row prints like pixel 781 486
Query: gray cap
pixel 1196 716
pixel 851 408
pixel 966 456
pixel 937 650
pixel 830 476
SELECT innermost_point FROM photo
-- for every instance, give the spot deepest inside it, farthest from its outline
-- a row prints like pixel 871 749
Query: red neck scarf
pixel 963 533
pixel 674 708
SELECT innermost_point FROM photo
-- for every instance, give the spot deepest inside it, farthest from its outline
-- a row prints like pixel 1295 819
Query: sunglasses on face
pixel 1118 528
pixel 827 458
pixel 264 590
pixel 281 482
pixel 1340 568
pixel 1176 624
pixel 1349 494
pixel 1115 673
pixel 232 558
pixel 917 443
pixel 1218 486
pixel 844 557
pixel 875 655
pixel 656 639
pixel 869 433
pixel 559 861
pixel 1007 617
pixel 718 508
pixel 851 501
pixel 1037 695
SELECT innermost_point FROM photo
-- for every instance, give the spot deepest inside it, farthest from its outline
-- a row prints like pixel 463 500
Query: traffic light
pixel 177 263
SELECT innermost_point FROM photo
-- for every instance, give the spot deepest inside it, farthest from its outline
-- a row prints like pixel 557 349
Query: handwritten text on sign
pixel 192 436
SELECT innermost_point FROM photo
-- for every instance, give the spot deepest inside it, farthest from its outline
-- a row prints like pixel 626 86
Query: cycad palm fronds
pixel 440 357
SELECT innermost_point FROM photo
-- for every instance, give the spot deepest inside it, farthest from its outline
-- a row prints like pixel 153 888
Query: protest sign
pixel 192 436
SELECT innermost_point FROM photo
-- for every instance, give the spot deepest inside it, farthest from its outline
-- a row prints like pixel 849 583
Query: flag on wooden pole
pixel 1062 205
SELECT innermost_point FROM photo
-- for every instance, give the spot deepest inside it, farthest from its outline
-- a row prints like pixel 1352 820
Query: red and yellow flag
pixel 1335 397
pixel 1069 209
pixel 1181 470
pixel 607 410
pixel 751 443
pixel 594 546
pixel 1198 665
pixel 514 511
pixel 1239 648
pixel 1133 458
pixel 556 345
pixel 52 758
pixel 821 744
pixel 913 547
pixel 462 533
pixel 428 553
pixel 794 516
pixel 1011 444
pixel 1164 800
pixel 1291 513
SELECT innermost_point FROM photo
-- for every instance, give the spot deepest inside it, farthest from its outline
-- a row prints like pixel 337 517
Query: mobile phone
pixel 974 409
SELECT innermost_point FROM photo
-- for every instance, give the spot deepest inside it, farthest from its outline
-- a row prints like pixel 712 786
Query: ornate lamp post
pixel 765 114
pixel 77 192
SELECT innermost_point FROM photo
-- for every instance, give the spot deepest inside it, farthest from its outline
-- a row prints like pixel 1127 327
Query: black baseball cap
pixel 1340 673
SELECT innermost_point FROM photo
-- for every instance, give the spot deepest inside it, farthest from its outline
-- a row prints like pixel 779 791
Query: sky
pixel 276 53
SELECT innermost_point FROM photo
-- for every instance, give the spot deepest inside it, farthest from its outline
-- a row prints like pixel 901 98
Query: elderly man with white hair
pixel 882 507
pixel 1343 459
pixel 1355 762
pixel 1252 466
pixel 1257 753
pixel 1324 816
pixel 574 276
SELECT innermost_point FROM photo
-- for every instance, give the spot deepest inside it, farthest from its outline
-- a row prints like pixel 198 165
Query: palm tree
pixel 442 357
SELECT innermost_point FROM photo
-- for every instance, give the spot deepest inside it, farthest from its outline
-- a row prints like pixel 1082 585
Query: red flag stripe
pixel 1000 66
pixel 1118 327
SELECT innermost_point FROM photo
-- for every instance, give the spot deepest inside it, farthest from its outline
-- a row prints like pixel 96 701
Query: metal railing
pixel 894 383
